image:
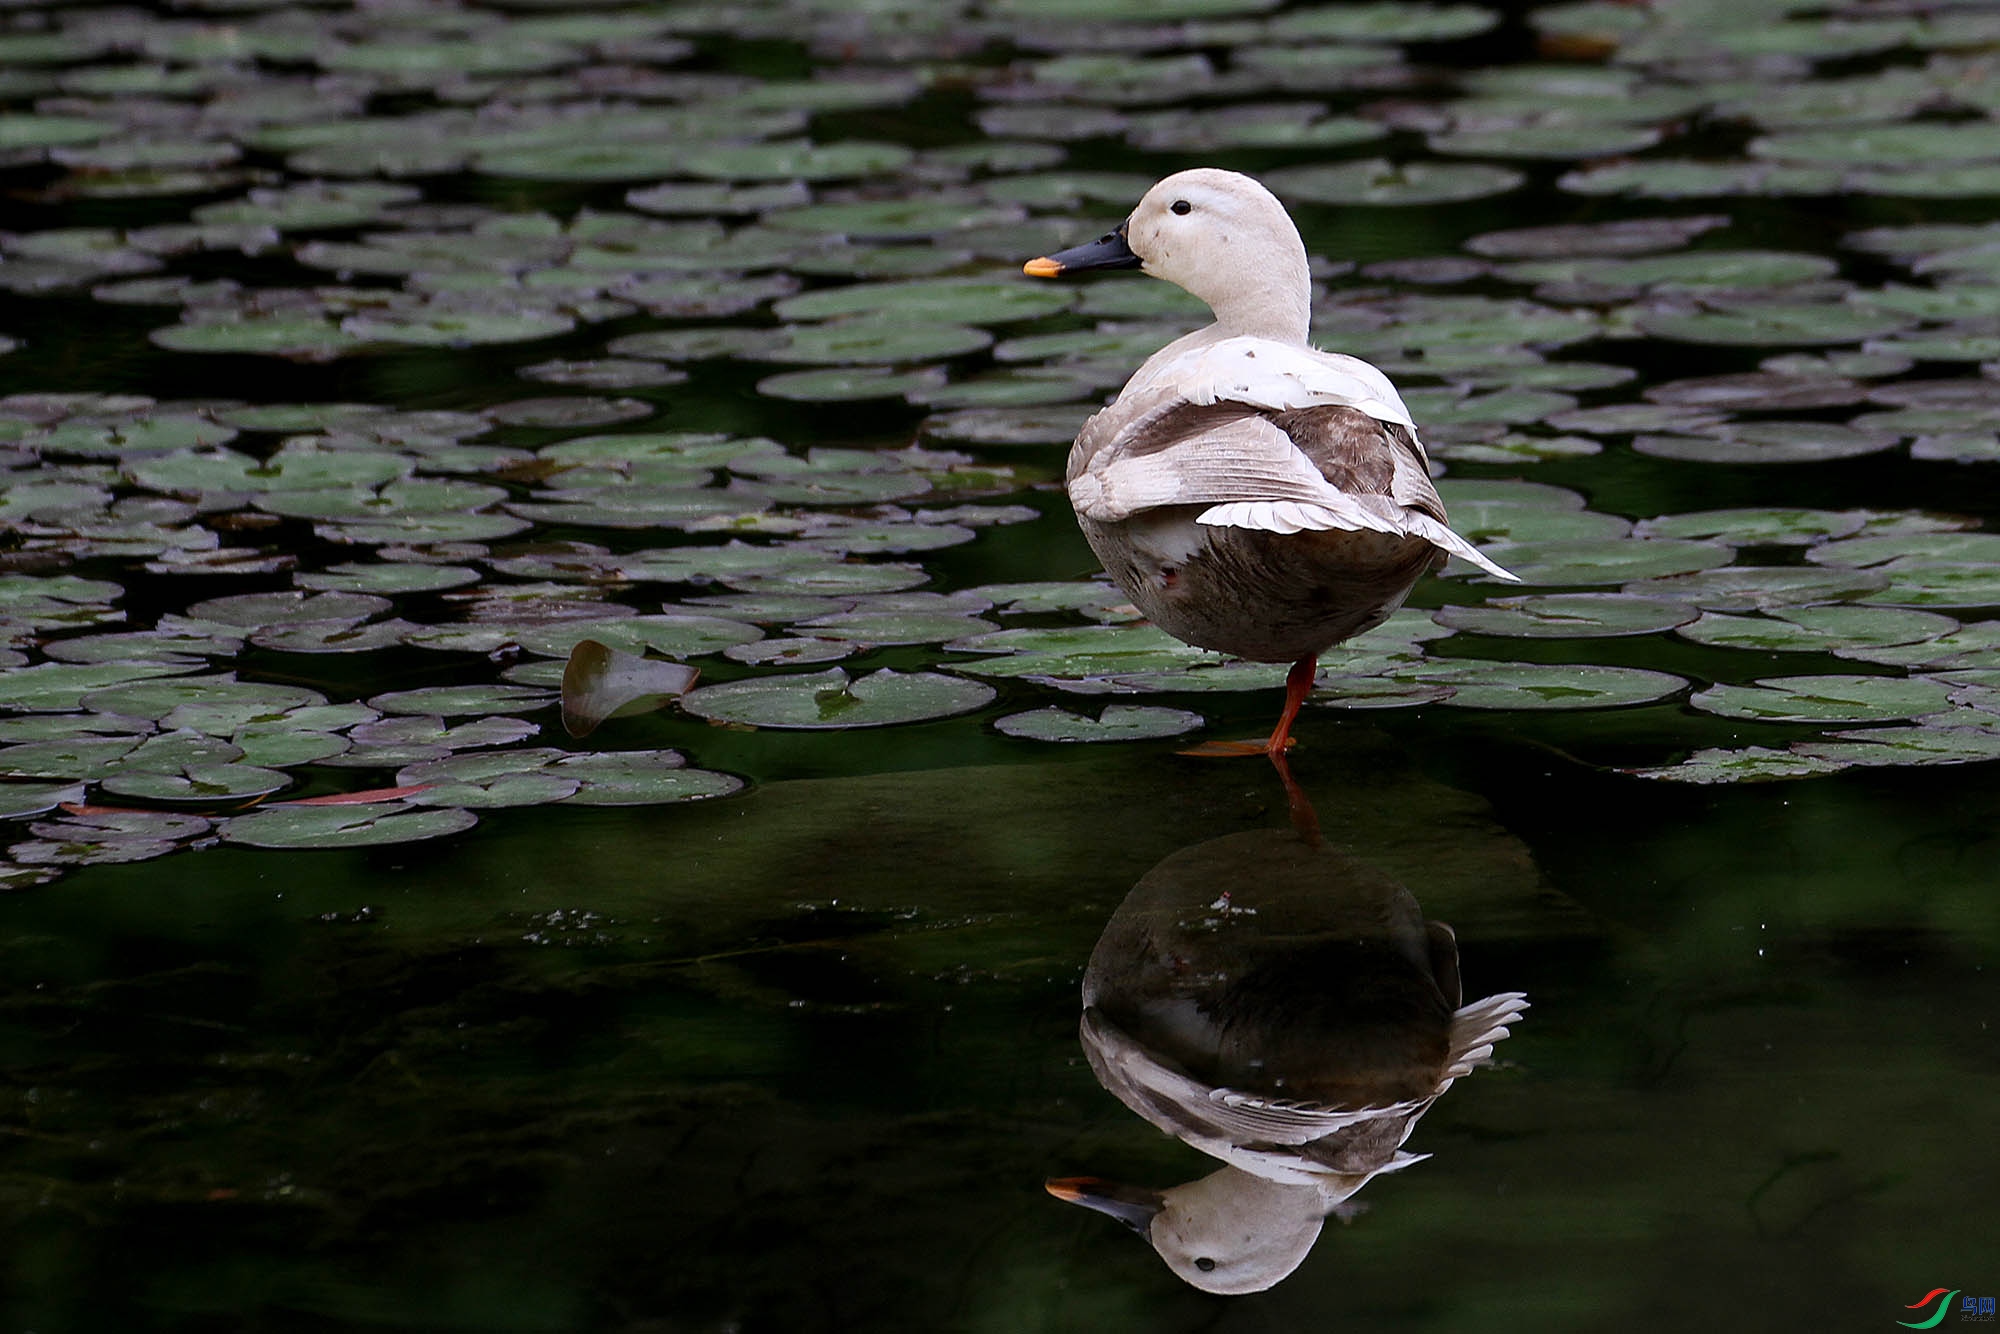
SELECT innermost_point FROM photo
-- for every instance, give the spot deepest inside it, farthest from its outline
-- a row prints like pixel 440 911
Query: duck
pixel 1294 1026
pixel 1251 494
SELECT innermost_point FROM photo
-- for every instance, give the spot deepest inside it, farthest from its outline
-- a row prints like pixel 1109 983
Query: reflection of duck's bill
pixel 1107 252
pixel 1134 1206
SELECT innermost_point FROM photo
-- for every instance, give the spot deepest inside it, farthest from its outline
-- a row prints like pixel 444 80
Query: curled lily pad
pixel 1815 699
pixel 344 826
pixel 601 682
pixel 831 699
pixel 1118 722
pixel 1521 685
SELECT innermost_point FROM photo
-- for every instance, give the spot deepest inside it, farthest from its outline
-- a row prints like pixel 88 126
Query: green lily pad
pixel 1118 722
pixel 76 758
pixel 1819 629
pixel 218 708
pixel 29 798
pixel 1584 562
pixel 1535 686
pixel 1773 324
pixel 849 384
pixel 1761 588
pixel 1557 141
pixel 458 701
pixel 1969 646
pixel 1818 699
pixel 1568 616
pixel 390 577
pixel 947 301
pixel 369 824
pixel 221 783
pixel 600 682
pixel 259 610
pixel 831 699
pixel 425 326
pixel 1922 583
pixel 1767 442
pixel 1379 181
pixel 300 337
pixel 876 341
pixel 1756 527
pixel 674 636
pixel 488 779
pixel 1877 746
pixel 641 778
pixel 1752 764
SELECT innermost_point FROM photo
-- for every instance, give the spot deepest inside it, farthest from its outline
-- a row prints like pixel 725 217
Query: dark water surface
pixel 801 1058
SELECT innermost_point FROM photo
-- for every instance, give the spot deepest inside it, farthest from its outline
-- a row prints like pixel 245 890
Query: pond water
pixel 359 362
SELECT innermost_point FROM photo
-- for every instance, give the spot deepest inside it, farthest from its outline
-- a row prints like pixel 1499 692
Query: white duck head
pixel 1229 1232
pixel 1220 235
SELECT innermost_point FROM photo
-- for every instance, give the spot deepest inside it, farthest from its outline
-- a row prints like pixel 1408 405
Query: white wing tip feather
pixel 1441 536
pixel 1293 516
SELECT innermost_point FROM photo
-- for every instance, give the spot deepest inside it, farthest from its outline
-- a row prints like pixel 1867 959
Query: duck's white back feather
pixel 1278 377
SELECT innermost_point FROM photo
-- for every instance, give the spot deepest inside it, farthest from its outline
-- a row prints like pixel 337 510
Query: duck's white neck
pixel 1266 292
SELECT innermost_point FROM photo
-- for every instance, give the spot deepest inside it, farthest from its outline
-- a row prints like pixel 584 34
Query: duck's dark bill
pixel 1106 252
pixel 1134 1206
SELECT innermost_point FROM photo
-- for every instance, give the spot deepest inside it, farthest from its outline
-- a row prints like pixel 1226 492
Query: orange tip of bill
pixel 1041 268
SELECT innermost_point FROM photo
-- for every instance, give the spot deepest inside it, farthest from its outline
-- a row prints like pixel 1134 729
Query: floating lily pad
pixel 831 699
pixel 1569 616
pixel 1585 562
pixel 30 798
pixel 1757 527
pixel 1752 764
pixel 367 825
pixel 1767 442
pixel 458 701
pixel 641 778
pixel 218 783
pixel 948 301
pixel 601 682
pixel 1521 685
pixel 1760 588
pixel 1773 324
pixel 1378 181
pixel 1118 722
pixel 1819 629
pixel 1878 746
pixel 216 706
pixel 488 779
pixel 1816 699
pixel 675 636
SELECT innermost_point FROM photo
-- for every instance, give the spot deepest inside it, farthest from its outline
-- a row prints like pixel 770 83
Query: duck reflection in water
pixel 1294 1025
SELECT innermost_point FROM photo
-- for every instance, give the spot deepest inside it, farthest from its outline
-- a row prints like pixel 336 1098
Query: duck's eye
pixel 1182 207
pixel 1205 1265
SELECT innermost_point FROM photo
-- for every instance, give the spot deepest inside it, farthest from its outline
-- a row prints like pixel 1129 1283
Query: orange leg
pixel 1298 684
pixel 1305 821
